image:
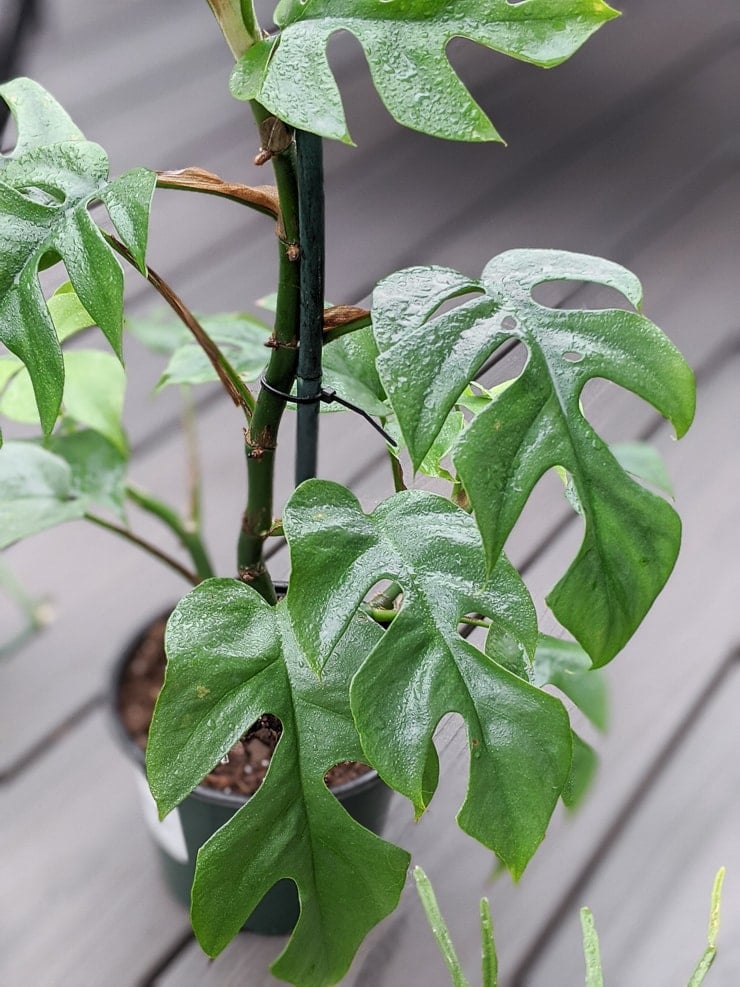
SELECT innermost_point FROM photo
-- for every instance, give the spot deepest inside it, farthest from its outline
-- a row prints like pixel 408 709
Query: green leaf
pixel 644 463
pixel 631 536
pixel 422 668
pixel 94 393
pixel 405 46
pixel 566 665
pixel 231 658
pixel 94 389
pixel 45 192
pixel 36 492
pixel 240 337
pixel 98 468
pixel 67 312
pixel 583 769
pixel 348 365
pixel 439 928
pixel 159 331
pixel 39 118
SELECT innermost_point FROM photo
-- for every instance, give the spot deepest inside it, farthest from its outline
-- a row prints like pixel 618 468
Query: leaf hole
pixel 346 775
pixel 44 195
pixel 243 768
pixel 615 413
pixel 470 623
pixel 572 356
pixel 383 596
pixel 509 323
pixel 574 295
pixel 450 304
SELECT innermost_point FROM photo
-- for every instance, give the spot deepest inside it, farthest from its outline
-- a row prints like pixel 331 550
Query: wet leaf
pixel 231 658
pixel 422 668
pixel 405 45
pixel 535 423
pixel 46 188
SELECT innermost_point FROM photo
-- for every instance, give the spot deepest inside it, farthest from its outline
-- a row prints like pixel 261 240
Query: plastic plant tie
pixel 328 395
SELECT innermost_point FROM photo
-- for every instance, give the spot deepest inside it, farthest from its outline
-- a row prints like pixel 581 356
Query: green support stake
pixel 311 224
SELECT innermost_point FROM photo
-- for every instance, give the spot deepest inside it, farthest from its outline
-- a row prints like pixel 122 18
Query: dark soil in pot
pixel 244 767
pixel 137 680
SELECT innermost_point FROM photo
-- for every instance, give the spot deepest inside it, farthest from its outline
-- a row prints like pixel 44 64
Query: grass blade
pixel 440 930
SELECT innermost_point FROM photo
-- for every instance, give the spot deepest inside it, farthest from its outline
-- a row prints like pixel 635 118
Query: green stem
pixel 382 616
pixel 385 599
pixel 157 553
pixel 261 436
pixel 238 24
pixel 190 434
pixel 188 537
pixel 399 483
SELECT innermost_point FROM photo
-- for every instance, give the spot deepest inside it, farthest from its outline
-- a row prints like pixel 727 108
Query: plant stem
pixel 238 24
pixel 191 577
pixel 385 599
pixel 311 216
pixel 190 435
pixel 261 435
pixel 383 616
pixel 399 483
pixel 189 538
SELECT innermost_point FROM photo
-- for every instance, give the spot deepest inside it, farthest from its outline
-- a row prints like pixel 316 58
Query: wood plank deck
pixel 629 151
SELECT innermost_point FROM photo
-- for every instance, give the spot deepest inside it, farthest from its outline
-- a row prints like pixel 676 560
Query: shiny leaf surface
pixel 536 423
pixel 422 668
pixel 45 191
pixel 231 658
pixel 405 45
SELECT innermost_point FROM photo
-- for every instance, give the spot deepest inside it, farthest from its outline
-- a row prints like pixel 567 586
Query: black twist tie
pixel 328 395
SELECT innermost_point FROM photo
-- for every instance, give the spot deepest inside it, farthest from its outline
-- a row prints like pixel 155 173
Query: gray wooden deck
pixel 629 151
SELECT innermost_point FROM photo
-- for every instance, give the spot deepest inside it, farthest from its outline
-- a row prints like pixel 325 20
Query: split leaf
pixel 231 658
pixel 536 423
pixel 421 668
pixel 46 188
pixel 405 45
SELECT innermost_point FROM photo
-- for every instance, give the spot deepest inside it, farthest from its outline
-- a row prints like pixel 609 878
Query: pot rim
pixel 202 793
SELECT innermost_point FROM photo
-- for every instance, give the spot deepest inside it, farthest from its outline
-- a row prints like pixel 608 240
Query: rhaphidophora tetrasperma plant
pixel 348 678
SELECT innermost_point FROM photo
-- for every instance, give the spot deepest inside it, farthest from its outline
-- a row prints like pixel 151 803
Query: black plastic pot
pixel 186 829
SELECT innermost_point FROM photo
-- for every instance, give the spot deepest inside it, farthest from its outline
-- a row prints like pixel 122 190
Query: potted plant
pixel 368 648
